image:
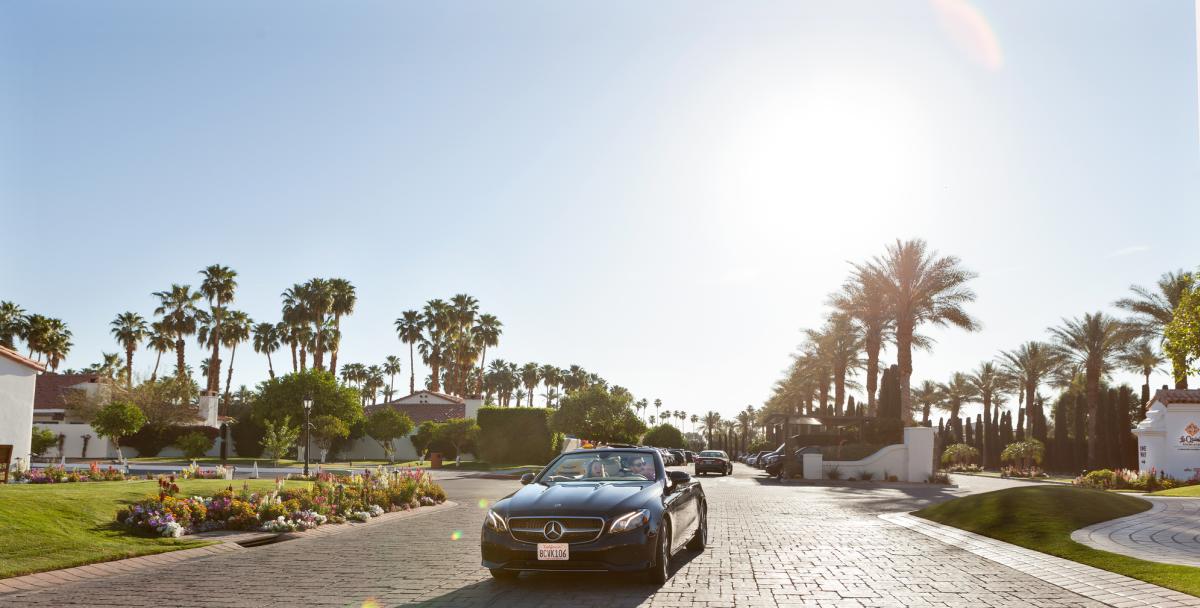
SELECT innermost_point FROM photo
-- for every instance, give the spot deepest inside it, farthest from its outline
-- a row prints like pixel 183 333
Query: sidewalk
pixel 1168 533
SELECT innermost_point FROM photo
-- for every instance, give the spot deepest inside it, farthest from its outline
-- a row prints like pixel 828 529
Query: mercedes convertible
pixel 597 510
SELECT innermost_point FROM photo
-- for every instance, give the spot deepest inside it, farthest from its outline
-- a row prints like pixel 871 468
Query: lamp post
pixel 307 431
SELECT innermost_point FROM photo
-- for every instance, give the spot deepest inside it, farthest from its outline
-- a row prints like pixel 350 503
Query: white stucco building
pixel 1169 437
pixel 18 381
pixel 420 406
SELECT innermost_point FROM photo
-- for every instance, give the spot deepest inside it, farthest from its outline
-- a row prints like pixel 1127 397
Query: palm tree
pixel 695 418
pixel 160 341
pixel 436 321
pixel 838 343
pixel 712 420
pixel 928 395
pixel 657 405
pixel 1153 311
pixel 1030 365
pixel 920 287
pixel 1093 342
pixel 408 329
pixel 956 393
pixel 48 336
pixel 391 367
pixel 530 376
pixel 218 286
pixel 988 383
pixel 344 299
pixel 237 330
pixel 266 341
pixel 1142 359
pixel 13 324
pixel 550 378
pixel 109 366
pixel 863 299
pixel 129 328
pixel 487 333
pixel 178 308
pixel 374 382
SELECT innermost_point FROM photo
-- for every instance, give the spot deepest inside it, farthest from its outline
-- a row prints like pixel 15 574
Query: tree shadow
pixel 612 590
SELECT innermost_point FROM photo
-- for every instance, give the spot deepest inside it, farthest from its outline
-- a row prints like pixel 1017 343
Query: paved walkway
pixel 1169 532
pixel 770 545
pixel 1093 583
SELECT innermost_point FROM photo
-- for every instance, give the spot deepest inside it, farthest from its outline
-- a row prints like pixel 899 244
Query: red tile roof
pixel 19 358
pixel 1175 395
pixel 52 389
pixel 422 412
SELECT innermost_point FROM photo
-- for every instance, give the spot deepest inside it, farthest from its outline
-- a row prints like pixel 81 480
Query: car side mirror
pixel 527 479
pixel 678 477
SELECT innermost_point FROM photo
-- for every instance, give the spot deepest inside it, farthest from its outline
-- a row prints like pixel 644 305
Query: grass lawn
pixel 1042 518
pixel 51 526
pixel 1192 491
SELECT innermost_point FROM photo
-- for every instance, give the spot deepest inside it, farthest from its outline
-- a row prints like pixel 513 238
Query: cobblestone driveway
pixel 770 545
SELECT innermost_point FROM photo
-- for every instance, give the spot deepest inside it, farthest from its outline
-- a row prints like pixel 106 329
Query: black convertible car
pixel 600 510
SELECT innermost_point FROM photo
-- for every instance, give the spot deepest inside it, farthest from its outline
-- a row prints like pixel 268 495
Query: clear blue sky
pixel 662 192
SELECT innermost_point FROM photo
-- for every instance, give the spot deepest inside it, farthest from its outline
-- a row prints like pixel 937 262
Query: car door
pixel 682 506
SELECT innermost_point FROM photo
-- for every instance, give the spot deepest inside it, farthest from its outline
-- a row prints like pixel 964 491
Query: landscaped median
pixel 1042 518
pixel 59 525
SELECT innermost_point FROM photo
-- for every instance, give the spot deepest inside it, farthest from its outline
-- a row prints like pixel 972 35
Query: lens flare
pixel 370 603
pixel 483 503
pixel 456 535
pixel 970 31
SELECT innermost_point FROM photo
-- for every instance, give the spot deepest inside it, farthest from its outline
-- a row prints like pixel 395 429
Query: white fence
pixel 910 461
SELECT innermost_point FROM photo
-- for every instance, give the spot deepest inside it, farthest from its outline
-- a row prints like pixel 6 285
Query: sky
pixel 664 193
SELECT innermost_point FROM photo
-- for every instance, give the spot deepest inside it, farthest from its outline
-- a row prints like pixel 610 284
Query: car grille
pixel 575 529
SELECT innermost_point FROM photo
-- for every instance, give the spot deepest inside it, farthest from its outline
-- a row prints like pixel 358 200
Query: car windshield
pixel 601 466
pixel 712 454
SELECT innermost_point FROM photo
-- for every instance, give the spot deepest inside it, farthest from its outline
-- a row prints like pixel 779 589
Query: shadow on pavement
pixel 612 590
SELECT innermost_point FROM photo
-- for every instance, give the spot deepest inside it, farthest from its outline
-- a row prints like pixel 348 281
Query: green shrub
pixel 194 444
pixel 151 440
pixel 1102 479
pixel 42 440
pixel 247 435
pixel 664 436
pixel 515 435
pixel 959 454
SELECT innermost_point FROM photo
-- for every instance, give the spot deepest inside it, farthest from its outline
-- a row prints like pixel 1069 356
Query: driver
pixel 596 469
pixel 641 467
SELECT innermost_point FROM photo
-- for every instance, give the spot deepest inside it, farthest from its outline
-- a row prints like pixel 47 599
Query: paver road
pixel 770 545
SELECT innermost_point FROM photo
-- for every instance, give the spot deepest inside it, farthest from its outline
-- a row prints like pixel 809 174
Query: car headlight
pixel 495 522
pixel 629 521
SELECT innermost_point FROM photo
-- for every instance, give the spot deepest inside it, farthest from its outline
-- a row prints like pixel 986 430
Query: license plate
pixel 553 551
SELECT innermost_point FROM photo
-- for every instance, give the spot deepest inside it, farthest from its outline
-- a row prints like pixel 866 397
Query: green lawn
pixel 51 526
pixel 1191 491
pixel 1043 517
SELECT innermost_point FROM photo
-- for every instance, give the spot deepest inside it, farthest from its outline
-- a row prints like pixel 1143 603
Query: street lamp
pixel 307 432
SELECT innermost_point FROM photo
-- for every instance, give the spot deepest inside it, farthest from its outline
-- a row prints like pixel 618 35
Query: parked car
pixel 761 459
pixel 614 509
pixel 713 461
pixel 680 457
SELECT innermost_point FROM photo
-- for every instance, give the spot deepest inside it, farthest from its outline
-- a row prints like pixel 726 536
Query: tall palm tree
pixel 956 393
pixel 1093 342
pixel 712 420
pixel 160 341
pixel 13 324
pixel 344 298
pixel 109 366
pixel 838 343
pixel 436 321
pixel 50 337
pixel 920 287
pixel 237 330
pixel 129 328
pixel 1142 359
pixel 928 395
pixel 391 367
pixel 550 378
pixel 1153 310
pixel 178 307
pixel 487 333
pixel 374 382
pixel 266 341
pixel 695 418
pixel 530 376
pixel 408 329
pixel 218 286
pixel 863 298
pixel 1030 365
pixel 989 382
pixel 657 406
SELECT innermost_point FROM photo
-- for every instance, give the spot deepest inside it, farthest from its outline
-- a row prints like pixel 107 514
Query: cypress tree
pixel 1128 442
pixel 969 434
pixel 1063 460
pixel 1021 417
pixel 1079 442
pixel 979 431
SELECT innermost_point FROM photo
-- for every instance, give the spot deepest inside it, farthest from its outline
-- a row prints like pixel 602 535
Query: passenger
pixel 643 468
pixel 596 469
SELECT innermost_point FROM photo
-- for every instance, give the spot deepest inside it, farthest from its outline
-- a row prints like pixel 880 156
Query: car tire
pixel 503 575
pixel 660 570
pixel 699 541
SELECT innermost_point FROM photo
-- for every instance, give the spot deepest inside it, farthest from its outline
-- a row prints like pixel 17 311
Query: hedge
pixel 153 438
pixel 515 435
pixel 664 436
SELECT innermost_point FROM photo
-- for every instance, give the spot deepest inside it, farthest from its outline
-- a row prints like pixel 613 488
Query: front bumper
pixel 625 552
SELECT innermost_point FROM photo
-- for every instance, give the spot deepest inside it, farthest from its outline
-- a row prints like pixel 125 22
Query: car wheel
pixel 503 575
pixel 660 571
pixel 699 541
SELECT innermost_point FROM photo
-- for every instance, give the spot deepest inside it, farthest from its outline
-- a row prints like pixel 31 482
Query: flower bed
pixel 1128 479
pixel 60 474
pixel 331 499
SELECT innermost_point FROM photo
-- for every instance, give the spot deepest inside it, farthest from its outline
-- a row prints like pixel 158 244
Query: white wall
pixel 369 449
pixel 1164 443
pixel 910 461
pixel 17 385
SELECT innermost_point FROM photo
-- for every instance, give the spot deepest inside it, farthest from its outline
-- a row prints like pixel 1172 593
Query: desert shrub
pixel 518 435
pixel 194 444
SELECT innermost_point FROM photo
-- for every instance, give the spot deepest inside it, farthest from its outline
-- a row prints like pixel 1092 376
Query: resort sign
pixel 1189 440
